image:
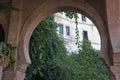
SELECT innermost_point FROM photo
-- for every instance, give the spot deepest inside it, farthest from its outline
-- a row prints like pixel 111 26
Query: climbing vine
pixel 74 15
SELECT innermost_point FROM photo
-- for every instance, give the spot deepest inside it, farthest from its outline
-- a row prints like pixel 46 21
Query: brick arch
pixel 49 7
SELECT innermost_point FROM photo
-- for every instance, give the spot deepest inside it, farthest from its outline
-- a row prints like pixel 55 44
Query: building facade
pixel 66 29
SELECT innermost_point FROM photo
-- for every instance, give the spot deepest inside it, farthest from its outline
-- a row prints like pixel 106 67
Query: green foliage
pixel 90 66
pixel 45 44
pixel 71 14
pixel 50 60
pixel 7 49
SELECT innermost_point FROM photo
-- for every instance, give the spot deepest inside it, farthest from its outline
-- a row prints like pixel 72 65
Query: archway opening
pixel 39 56
pixel 2 34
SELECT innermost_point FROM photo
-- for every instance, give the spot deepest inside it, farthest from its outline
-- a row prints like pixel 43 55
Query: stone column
pixel 13 37
pixel 113 18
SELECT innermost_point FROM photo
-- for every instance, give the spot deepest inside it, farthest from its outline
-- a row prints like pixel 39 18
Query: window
pixel 85 34
pixel 84 18
pixel 60 28
pixel 67 30
pixel 61 13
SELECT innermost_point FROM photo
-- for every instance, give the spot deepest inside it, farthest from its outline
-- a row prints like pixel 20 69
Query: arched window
pixel 2 34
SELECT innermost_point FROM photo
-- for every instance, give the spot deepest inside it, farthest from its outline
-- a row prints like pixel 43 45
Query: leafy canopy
pixel 50 59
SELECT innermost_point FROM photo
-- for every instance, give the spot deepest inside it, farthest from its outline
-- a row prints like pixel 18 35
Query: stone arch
pixel 49 7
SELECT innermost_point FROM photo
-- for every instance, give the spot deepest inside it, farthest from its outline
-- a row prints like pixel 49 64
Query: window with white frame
pixel 83 18
pixel 67 30
pixel 60 26
pixel 85 34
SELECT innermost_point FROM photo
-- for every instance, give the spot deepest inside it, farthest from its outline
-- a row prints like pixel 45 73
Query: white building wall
pixel 88 26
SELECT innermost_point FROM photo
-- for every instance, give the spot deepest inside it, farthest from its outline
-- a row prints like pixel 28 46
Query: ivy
pixel 74 15
pixel 45 47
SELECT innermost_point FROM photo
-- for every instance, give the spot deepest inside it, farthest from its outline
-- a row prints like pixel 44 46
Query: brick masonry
pixel 19 26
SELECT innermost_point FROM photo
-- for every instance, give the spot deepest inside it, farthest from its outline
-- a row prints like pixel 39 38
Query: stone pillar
pixel 113 18
pixel 13 37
